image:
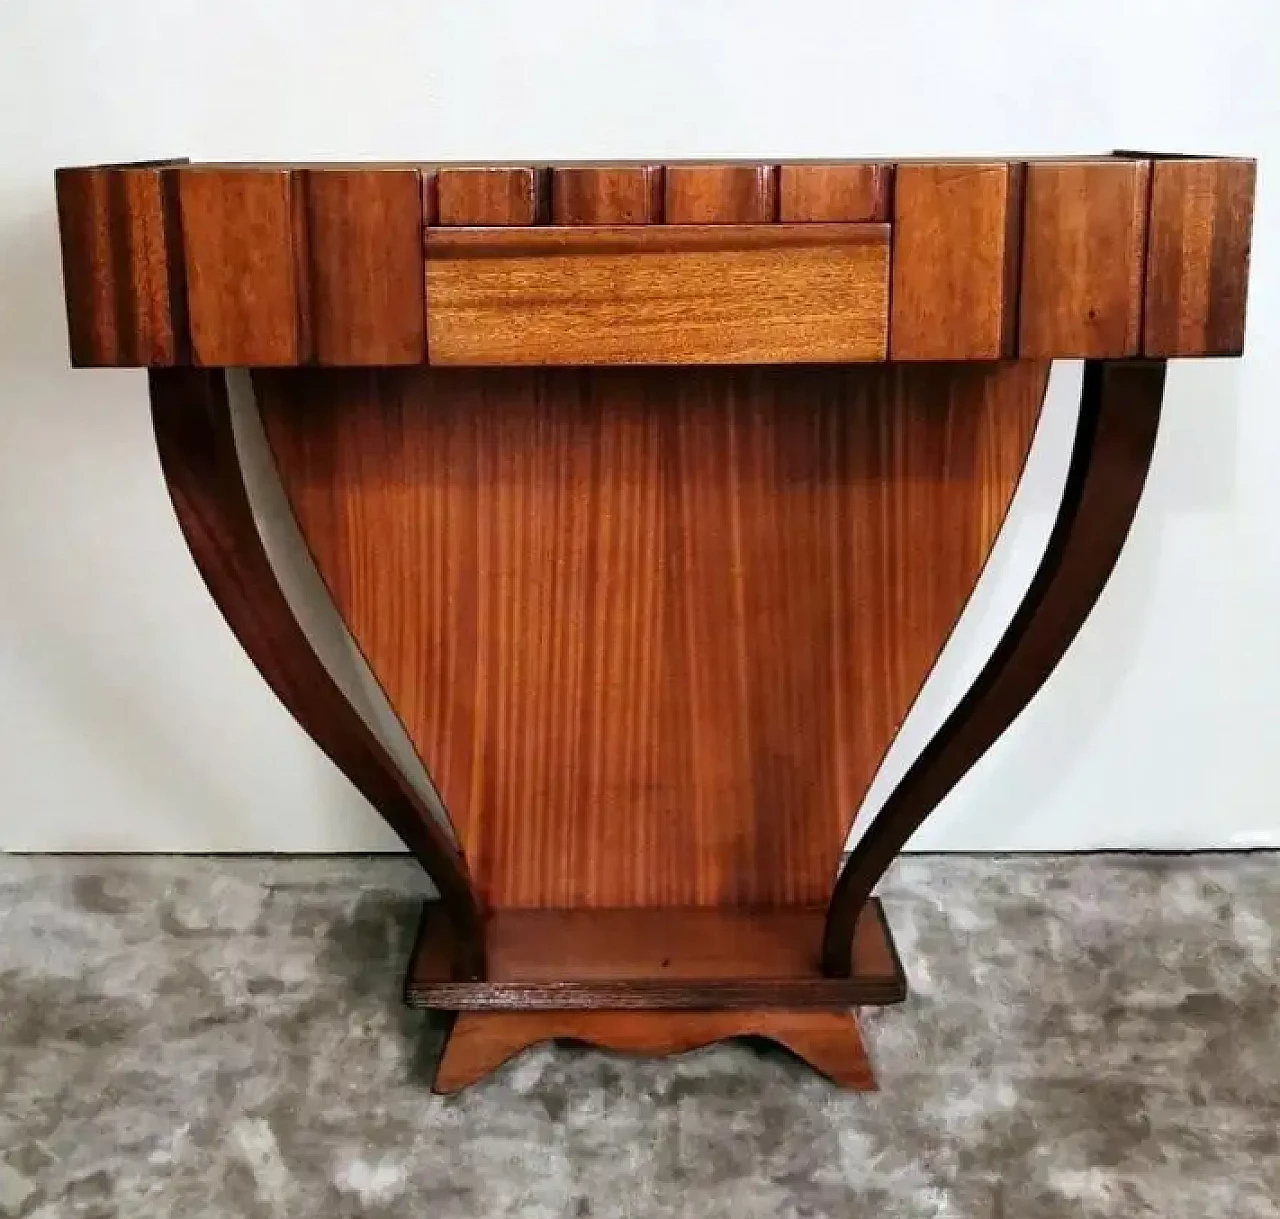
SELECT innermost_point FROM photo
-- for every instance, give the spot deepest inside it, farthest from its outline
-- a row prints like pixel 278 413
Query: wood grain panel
pixel 606 194
pixel 365 253
pixel 244 236
pixel 652 630
pixel 1083 250
pixel 121 266
pixel 490 194
pixel 1198 259
pixel 658 295
pixel 854 192
pixel 480 1042
pixel 655 958
pixel 955 260
pixel 721 194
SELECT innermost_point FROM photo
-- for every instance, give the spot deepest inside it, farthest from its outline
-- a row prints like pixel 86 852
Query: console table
pixel 650 494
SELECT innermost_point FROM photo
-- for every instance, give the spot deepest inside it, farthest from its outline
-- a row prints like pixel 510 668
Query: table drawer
pixel 658 294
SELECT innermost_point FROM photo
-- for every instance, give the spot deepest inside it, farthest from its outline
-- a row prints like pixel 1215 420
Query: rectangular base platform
pixel 655 959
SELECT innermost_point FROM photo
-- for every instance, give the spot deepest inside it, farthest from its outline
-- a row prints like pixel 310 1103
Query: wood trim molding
pixel 192 420
pixel 1115 436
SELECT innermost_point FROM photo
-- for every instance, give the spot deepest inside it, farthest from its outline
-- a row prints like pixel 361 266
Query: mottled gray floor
pixel 1086 1037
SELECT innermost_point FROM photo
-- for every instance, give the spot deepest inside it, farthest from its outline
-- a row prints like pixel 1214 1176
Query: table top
pixel 1109 257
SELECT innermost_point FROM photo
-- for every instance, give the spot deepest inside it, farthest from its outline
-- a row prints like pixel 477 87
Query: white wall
pixel 129 718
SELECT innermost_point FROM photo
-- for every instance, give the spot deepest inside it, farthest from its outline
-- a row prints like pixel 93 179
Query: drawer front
pixel 668 294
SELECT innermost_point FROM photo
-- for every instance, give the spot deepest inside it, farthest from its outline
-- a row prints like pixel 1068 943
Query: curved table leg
pixel 1115 435
pixel 192 420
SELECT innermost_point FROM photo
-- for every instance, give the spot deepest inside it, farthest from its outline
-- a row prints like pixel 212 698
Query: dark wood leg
pixel 480 1042
pixel 193 431
pixel 1115 436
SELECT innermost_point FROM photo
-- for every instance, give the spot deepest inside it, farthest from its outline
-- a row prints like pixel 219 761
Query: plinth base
pixel 480 1042
pixel 654 982
pixel 657 959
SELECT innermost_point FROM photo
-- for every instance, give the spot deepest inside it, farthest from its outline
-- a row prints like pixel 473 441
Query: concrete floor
pixel 1086 1037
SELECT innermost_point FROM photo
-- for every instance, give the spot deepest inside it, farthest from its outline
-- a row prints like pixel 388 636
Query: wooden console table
pixel 650 494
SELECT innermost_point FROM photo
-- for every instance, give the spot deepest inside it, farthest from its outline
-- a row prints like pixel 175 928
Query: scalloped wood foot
pixel 480 1042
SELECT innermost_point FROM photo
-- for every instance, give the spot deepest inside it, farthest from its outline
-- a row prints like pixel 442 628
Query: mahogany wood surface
pixel 312 264
pixel 834 192
pixel 192 421
pixel 121 266
pixel 656 958
pixel 607 194
pixel 480 1042
pixel 955 260
pixel 1198 262
pixel 721 194
pixel 241 233
pixel 1083 258
pixel 1115 437
pixel 364 284
pixel 489 194
pixel 652 630
pixel 657 294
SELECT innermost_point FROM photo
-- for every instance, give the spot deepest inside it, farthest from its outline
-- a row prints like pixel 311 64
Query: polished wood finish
pixel 121 266
pixel 298 264
pixel 745 294
pixel 480 1042
pixel 607 194
pixel 1083 258
pixel 652 630
pixel 490 194
pixel 364 250
pixel 721 194
pixel 192 421
pixel 1198 260
pixel 829 193
pixel 955 260
pixel 1115 436
pixel 657 957
pixel 241 232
